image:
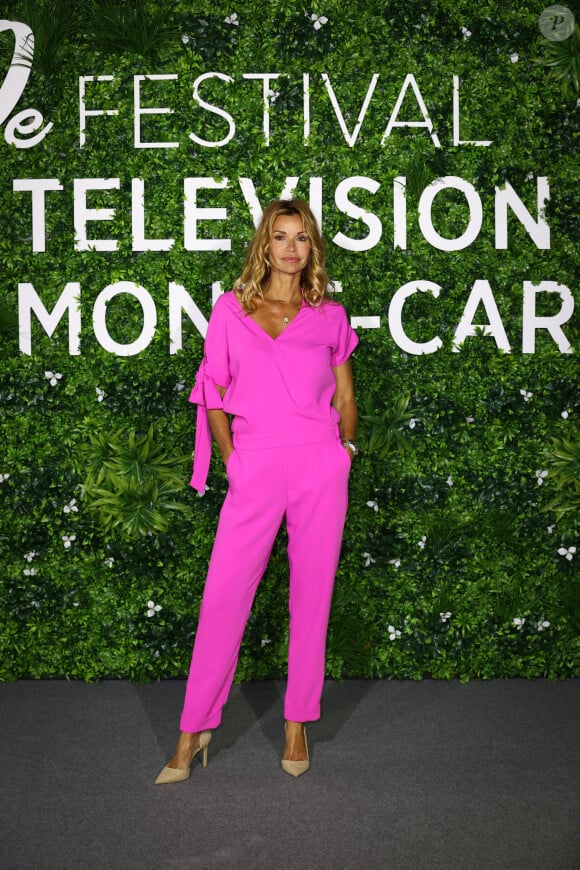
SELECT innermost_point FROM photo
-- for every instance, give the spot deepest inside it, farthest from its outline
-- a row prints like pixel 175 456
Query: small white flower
pixel 76 603
pixel 564 415
pixel 201 494
pixel 542 624
pixel 29 572
pixel 232 19
pixel 100 394
pixel 526 394
pixel 550 529
pixel 394 633
pixel 567 552
pixel 317 20
pixel 264 642
pixel 529 176
pixel 179 386
pixel 540 475
pixel 413 422
pixel 514 57
pixel 470 419
pixel 446 616
pixel 71 507
pixel 395 562
pixel 67 540
pixel 466 33
pixel 109 562
pixel 422 542
pixel 4 477
pixel 519 622
pixel 185 38
pixel 273 95
pixel 153 608
pixel 373 505
pixel 368 559
pixel 30 556
pixel 53 377
pixel 449 481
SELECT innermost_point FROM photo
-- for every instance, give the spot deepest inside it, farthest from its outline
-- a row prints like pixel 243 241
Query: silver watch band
pixel 351 446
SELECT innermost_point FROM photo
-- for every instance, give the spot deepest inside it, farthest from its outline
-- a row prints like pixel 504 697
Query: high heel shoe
pixel 297 768
pixel 179 774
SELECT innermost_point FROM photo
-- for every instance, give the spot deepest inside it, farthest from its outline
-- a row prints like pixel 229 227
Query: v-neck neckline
pixel 273 338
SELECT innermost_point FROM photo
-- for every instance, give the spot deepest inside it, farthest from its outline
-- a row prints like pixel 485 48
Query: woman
pixel 276 361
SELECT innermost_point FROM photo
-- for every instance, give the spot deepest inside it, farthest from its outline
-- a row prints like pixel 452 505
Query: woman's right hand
pixel 220 429
pixel 226 453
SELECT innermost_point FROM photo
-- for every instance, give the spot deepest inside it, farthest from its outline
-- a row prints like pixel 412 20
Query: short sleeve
pixel 214 370
pixel 216 349
pixel 345 341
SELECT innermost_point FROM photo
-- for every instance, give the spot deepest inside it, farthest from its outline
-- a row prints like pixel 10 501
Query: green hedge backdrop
pixel 459 555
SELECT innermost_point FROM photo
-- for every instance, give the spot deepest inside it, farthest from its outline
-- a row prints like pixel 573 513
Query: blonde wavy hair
pixel 254 280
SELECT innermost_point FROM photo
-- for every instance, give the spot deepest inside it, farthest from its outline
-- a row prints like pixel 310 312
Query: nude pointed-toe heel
pixel 179 774
pixel 297 768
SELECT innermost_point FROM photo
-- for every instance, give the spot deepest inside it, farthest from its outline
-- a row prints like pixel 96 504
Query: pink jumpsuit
pixel 287 461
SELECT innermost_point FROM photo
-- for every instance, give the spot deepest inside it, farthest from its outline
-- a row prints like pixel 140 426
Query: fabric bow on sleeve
pixel 206 396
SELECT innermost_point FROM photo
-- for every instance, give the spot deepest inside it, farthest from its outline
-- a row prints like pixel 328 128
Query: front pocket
pixel 229 462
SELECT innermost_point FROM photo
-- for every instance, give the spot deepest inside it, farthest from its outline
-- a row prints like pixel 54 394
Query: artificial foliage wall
pixel 438 144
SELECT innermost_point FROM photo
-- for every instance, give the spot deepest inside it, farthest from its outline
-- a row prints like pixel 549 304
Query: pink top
pixel 279 390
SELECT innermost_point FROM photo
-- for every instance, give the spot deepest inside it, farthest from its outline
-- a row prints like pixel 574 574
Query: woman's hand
pixel 227 453
pixel 220 429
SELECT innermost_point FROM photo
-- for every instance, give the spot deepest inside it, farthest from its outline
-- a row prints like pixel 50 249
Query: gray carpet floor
pixel 405 776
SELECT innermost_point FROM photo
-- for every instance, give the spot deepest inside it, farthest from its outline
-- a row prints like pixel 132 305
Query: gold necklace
pixel 297 305
pixel 286 319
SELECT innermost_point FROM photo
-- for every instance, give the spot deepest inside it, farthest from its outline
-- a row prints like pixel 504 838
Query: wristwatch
pixel 351 446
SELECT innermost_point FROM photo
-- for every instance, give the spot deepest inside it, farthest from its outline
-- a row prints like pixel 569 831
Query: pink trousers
pixel 309 485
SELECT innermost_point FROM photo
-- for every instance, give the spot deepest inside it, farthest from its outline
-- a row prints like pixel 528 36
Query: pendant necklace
pixel 286 320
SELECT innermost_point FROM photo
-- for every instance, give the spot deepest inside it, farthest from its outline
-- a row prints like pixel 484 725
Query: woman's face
pixel 289 246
